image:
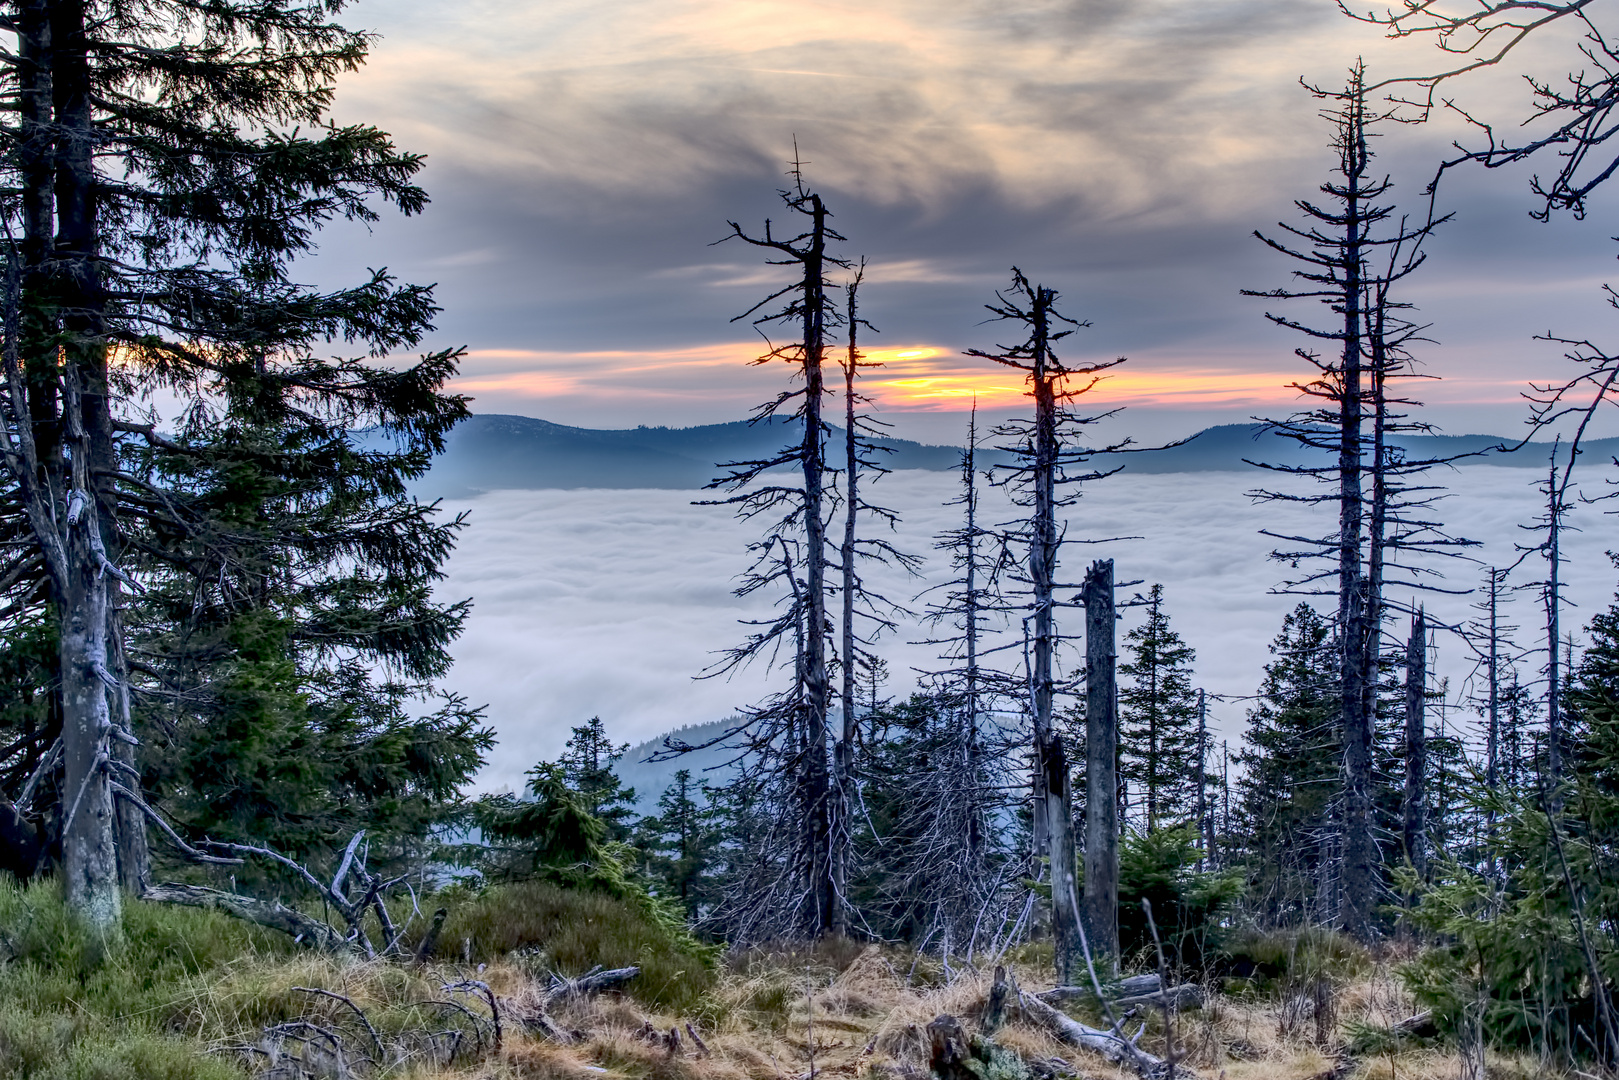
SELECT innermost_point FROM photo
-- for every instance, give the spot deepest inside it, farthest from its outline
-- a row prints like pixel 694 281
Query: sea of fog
pixel 609 603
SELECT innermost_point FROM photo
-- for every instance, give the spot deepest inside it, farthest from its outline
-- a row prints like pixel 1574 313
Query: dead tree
pixel 1556 490
pixel 1205 825
pixel 1383 510
pixel 1101 765
pixel 1573 121
pixel 1044 449
pixel 784 742
pixel 1416 746
pixel 864 614
pixel 957 870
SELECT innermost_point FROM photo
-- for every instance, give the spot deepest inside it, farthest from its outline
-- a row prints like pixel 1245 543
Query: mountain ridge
pixel 500 451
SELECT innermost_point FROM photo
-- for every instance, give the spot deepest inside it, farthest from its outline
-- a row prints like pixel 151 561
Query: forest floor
pixel 194 995
pixel 861 1014
pixel 797 1017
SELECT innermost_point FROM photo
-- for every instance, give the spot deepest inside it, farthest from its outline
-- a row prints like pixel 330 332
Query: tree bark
pixel 1101 769
pixel 843 756
pixel 267 913
pixel 1416 745
pixel 1359 875
pixel 89 849
pixel 1053 795
pixel 1115 1047
pixel 824 899
pixel 1553 603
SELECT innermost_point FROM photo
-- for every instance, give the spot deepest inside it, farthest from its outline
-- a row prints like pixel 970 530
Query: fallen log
pixel 1112 1045
pixel 1184 996
pixel 1134 986
pixel 1420 1025
pixel 593 981
pixel 268 913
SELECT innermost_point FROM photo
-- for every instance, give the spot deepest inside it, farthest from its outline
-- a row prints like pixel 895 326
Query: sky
pixel 609 603
pixel 584 156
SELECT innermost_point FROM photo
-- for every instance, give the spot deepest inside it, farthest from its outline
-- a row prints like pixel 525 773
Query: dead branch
pixel 593 981
pixel 268 913
pixel 1113 1045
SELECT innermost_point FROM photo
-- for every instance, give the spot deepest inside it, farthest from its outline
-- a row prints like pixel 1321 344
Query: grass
pixel 569 931
pixel 189 988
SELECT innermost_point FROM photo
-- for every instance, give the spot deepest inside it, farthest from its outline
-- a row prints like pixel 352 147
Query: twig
pixel 376 1040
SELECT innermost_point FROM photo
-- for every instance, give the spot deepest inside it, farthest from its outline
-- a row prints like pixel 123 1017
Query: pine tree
pixel 1289 782
pixel 681 843
pixel 1158 716
pixel 587 768
pixel 172 159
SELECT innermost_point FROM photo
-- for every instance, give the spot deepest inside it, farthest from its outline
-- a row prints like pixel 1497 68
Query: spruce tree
pixel 587 767
pixel 680 843
pixel 1158 716
pixel 1289 780
pixel 172 159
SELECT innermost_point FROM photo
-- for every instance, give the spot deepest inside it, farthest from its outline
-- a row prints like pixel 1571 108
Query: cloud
pixel 609 602
pixel 585 155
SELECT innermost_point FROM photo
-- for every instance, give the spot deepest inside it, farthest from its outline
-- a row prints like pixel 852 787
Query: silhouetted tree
pixel 1045 450
pixel 785 742
pixel 1383 513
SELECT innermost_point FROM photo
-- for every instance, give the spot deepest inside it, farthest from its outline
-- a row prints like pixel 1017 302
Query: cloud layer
pixel 610 602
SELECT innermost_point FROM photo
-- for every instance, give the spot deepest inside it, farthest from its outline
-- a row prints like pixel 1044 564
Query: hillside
pixel 492 452
pixel 650 778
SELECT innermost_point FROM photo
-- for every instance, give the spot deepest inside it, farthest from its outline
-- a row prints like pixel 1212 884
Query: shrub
pixel 1280 958
pixel 572 930
pixel 1161 866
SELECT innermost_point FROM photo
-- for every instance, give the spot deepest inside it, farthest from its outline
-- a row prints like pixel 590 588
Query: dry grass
pixel 839 1012
pixel 192 989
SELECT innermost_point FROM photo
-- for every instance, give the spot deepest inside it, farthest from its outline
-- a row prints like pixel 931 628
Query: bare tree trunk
pixel 1416 745
pixel 970 608
pixel 818 831
pixel 1101 768
pixel 89 850
pixel 1359 845
pixel 1200 777
pixel 1553 604
pixel 843 755
pixel 134 851
pixel 1053 797
pixel 1492 767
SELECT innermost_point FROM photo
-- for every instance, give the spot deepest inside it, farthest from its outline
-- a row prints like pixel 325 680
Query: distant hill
pixel 650 778
pixel 492 452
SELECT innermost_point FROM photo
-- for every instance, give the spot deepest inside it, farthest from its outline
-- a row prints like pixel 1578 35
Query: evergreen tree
pixel 1525 931
pixel 172 159
pixel 587 768
pixel 1289 780
pixel 1158 716
pixel 680 843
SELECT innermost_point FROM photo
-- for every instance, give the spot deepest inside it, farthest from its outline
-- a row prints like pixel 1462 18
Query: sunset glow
pixel 913 377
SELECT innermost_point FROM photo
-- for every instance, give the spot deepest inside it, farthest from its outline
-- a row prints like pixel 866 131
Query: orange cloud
pixel 932 378
pixel 719 380
pixel 910 378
